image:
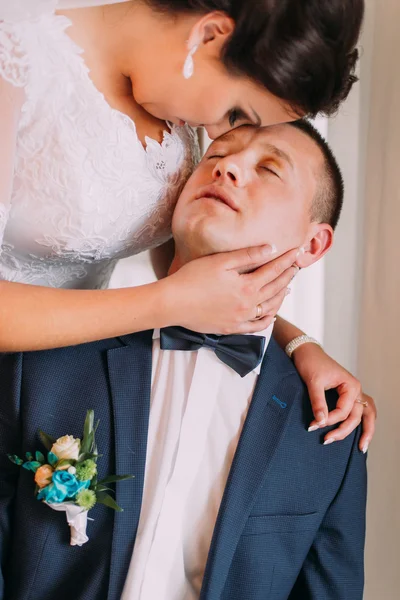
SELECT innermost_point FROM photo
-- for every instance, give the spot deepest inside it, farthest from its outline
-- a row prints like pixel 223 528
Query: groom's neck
pixel 182 258
pixel 175 265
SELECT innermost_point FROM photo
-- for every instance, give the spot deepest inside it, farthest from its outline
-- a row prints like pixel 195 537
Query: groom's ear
pixel 318 245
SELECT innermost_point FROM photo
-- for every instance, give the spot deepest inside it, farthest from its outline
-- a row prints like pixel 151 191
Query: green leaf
pixel 88 434
pixel 94 447
pixel 29 456
pixel 107 500
pixel 101 488
pixel 15 459
pixel 52 458
pixel 87 447
pixel 114 478
pixel 31 465
pixel 91 441
pixel 39 456
pixel 47 440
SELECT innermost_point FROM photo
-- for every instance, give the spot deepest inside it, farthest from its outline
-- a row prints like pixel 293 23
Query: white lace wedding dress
pixel 77 189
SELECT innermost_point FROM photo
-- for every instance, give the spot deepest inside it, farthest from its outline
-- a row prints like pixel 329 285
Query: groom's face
pixel 253 186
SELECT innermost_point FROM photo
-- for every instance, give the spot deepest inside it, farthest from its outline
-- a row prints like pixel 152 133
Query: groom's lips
pixel 217 193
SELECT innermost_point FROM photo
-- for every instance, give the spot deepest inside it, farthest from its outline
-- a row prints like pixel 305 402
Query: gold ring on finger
pixel 259 314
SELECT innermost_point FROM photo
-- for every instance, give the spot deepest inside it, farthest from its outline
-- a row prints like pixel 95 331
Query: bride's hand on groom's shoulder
pixel 320 373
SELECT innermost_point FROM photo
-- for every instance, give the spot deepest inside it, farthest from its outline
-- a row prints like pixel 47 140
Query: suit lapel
pixel 265 424
pixel 129 370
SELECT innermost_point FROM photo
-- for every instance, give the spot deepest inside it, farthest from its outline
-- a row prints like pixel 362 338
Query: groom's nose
pixel 229 168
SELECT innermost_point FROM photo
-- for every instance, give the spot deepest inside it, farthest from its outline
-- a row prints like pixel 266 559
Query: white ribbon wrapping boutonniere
pixel 68 481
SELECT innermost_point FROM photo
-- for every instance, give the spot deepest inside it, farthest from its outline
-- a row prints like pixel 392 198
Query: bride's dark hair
pixel 303 51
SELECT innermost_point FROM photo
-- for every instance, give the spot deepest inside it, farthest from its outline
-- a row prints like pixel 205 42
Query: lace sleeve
pixel 13 77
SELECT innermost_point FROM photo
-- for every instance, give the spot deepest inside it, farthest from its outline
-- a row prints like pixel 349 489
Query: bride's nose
pixel 229 169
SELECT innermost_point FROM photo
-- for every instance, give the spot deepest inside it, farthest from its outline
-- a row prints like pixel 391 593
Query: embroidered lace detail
pixel 14 11
pixel 85 191
pixel 13 59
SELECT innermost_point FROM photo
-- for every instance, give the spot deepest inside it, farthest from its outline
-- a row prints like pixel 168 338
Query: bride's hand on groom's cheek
pixel 225 293
pixel 320 373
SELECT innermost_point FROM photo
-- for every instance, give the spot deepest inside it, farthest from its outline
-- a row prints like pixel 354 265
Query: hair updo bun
pixel 302 51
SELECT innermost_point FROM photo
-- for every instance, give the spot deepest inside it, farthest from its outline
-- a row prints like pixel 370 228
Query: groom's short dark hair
pixel 328 201
pixel 302 51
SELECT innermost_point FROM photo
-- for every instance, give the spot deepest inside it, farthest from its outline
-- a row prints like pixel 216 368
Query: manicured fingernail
pixel 269 250
pixel 288 291
pixel 300 252
pixel 329 442
pixel 365 449
pixel 320 418
pixel 313 428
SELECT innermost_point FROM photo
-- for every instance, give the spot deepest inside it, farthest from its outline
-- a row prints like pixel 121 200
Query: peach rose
pixel 67 447
pixel 43 475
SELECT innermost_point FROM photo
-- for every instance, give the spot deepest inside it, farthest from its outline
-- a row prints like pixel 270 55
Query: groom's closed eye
pixel 270 170
pixel 278 155
pixel 215 156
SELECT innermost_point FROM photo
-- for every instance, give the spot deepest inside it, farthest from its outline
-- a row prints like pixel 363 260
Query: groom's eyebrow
pixel 281 154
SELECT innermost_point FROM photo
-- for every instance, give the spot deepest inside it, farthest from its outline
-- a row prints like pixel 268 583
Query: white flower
pixel 72 470
pixel 67 447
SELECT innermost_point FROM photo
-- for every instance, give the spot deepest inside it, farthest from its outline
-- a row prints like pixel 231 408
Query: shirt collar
pixel 267 333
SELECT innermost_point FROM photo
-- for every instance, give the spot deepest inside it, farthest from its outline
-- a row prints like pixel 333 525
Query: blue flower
pixel 52 494
pixel 64 485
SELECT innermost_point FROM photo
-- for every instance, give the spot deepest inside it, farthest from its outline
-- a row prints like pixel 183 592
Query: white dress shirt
pixel 197 411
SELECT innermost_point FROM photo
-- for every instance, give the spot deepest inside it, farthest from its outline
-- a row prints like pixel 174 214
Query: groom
pixel 232 498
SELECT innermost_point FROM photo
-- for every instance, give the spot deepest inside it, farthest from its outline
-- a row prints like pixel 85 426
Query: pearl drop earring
pixel 188 67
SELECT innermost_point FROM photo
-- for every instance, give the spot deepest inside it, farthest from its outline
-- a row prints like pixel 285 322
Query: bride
pixel 99 101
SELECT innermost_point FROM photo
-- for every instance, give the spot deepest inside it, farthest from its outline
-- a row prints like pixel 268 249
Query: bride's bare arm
pixel 285 332
pixel 35 318
pixel 208 294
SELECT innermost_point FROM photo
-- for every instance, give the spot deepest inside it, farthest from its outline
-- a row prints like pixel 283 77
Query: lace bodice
pixel 78 190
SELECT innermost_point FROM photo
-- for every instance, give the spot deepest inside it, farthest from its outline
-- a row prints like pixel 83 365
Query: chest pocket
pixel 257 525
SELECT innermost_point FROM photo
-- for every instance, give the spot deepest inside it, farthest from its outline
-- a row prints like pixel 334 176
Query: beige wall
pixel 363 277
pixel 379 357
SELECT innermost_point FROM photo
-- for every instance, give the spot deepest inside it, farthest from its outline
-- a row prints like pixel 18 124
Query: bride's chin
pixel 155 111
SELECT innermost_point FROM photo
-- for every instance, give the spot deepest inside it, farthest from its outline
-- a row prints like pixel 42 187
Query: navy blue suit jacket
pixel 292 520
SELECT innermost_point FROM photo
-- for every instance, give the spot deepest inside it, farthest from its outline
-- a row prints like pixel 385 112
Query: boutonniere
pixel 67 480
